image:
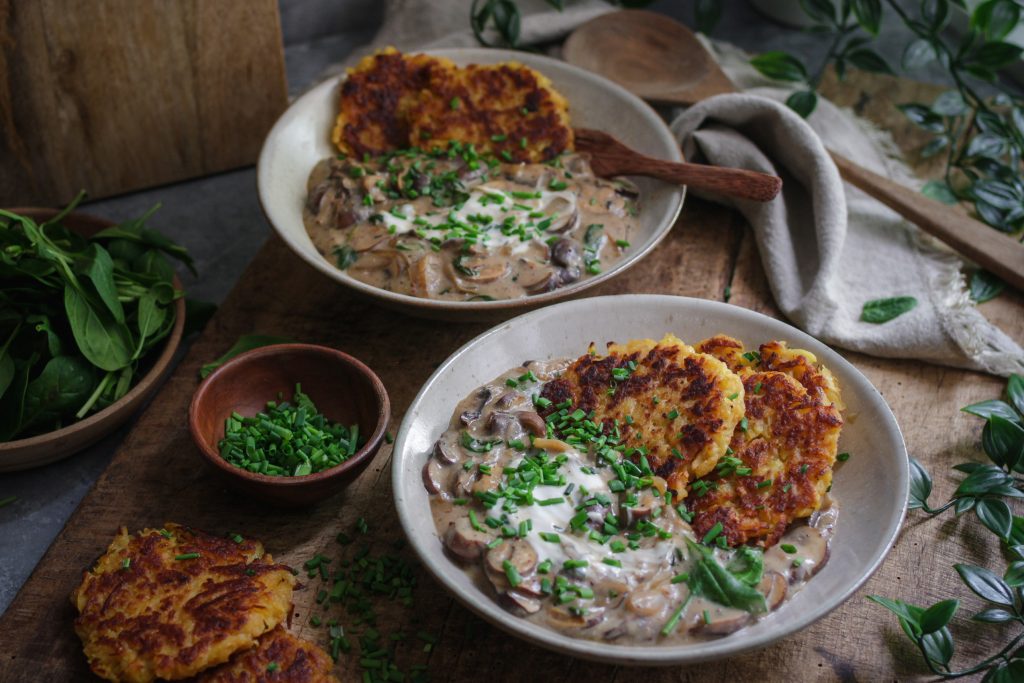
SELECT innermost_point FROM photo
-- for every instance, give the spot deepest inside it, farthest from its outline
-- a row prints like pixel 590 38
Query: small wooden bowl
pixel 43 449
pixel 343 389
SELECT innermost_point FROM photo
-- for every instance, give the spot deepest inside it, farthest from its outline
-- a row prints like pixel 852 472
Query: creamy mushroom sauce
pixel 627 583
pixel 455 226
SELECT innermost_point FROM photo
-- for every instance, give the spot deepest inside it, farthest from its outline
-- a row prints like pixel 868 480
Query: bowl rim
pixel 442 306
pixel 372 444
pixel 643 655
pixel 160 364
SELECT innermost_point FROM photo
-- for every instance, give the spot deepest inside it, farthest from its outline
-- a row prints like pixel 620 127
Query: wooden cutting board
pixel 157 476
pixel 116 95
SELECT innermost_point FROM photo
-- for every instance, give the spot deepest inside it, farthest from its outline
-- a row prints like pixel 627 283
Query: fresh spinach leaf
pixel 985 286
pixel 103 341
pixel 880 311
pixel 711 580
pixel 62 387
pixel 747 565
pixel 99 268
pixel 245 343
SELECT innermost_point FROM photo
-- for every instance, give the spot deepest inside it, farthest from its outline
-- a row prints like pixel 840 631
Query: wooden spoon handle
pixel 728 182
pixel 987 247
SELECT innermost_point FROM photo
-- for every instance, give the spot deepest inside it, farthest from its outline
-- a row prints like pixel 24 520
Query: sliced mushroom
pixel 568 275
pixel 774 586
pixel 563 619
pixel 527 603
pixel 642 510
pixel 437 478
pixel 482 397
pixel 548 283
pixel 518 552
pixel 724 623
pixel 565 215
pixel 566 252
pixel 446 449
pixel 646 603
pixel 812 551
pixel 485 269
pixel 464 541
pixel 498 422
pixel 367 236
pixel 506 400
pixel 532 422
pixel 427 276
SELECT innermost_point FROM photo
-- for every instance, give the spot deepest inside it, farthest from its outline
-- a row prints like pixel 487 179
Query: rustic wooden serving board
pixel 157 476
pixel 115 95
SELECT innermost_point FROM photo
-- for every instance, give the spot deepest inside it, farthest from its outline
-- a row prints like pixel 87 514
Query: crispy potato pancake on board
pixel 278 657
pixel 168 603
pixel 682 405
pixel 392 101
pixel 782 453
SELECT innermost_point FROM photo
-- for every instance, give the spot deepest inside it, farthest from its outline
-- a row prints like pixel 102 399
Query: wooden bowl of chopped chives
pixel 290 424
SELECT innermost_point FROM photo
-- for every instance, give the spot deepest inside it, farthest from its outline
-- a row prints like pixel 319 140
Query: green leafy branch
pixel 985 490
pixel 982 138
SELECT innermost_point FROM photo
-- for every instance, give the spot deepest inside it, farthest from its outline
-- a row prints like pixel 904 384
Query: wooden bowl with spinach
pixel 91 314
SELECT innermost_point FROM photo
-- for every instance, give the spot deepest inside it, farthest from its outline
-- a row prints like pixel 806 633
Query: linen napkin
pixel 826 247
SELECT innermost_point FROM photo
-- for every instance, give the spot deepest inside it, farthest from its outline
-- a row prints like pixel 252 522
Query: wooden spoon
pixel 609 157
pixel 659 59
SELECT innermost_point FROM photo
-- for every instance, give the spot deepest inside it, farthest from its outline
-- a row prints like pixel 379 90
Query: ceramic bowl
pixel 343 389
pixel 870 488
pixel 43 449
pixel 301 138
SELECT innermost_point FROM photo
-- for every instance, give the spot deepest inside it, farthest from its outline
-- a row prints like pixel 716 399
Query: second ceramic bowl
pixel 301 138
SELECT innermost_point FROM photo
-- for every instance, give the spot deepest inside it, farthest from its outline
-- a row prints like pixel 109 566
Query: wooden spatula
pixel 609 157
pixel 659 59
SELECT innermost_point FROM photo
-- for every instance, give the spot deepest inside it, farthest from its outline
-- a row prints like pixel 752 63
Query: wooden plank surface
pixel 115 95
pixel 157 476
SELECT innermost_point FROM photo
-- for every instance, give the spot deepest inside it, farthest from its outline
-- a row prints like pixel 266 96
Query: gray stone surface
pixel 219 220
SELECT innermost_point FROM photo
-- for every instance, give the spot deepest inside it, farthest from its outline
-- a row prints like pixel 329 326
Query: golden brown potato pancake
pixel 683 406
pixel 168 603
pixel 279 657
pixel 376 98
pixel 392 101
pixel 508 110
pixel 782 453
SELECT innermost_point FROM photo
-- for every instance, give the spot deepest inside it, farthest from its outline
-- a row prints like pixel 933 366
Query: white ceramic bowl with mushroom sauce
pixel 870 488
pixel 301 138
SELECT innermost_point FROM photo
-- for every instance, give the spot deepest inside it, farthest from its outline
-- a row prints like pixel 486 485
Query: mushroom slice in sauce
pixel 724 621
pixel 437 478
pixel 366 236
pixel 774 586
pixel 464 541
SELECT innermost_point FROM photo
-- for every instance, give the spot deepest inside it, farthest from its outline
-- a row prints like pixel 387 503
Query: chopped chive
pixel 679 578
pixel 126 563
pixel 511 573
pixel 574 564
pixel 843 457
pixel 187 556
pixel 788 548
pixel 550 537
pixel 551 501
pixel 611 561
pixel 712 533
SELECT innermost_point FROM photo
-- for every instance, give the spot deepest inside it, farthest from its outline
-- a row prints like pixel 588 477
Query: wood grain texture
pixel 115 95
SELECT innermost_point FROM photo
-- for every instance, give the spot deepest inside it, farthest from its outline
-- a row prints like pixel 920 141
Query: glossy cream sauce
pixel 628 583
pixel 464 230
